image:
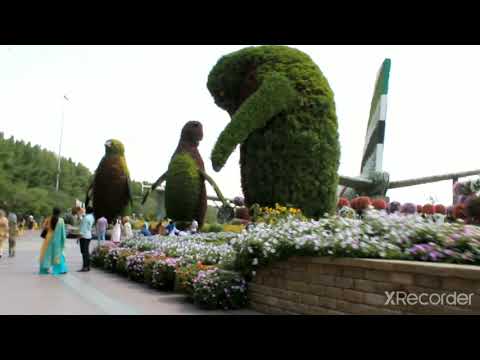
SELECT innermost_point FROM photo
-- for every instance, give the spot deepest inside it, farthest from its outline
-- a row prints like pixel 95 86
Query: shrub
pixel 219 289
pixel 163 273
pixel 362 203
pixel 121 266
pixel 472 209
pixel 99 255
pixel 440 209
pixel 281 104
pixel 379 204
pixel 419 209
pixel 459 211
pixel 408 208
pixel 428 209
pixel 148 263
pixel 233 228
pixel 135 267
pixel 186 274
pixel 343 202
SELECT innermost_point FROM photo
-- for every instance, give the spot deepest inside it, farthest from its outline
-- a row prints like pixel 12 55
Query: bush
pixel 408 208
pixel 379 204
pixel 148 264
pixel 440 209
pixel 283 115
pixel 459 211
pixel 185 276
pixel 163 273
pixel 428 209
pixel 121 265
pixel 342 202
pixel 219 289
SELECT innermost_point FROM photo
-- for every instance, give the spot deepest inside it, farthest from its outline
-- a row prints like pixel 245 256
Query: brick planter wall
pixel 318 286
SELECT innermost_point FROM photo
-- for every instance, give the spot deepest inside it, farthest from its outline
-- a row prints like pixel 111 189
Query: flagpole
pixel 60 146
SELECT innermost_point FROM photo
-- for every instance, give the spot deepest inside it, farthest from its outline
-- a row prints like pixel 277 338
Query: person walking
pixel 52 255
pixel 86 226
pixel 127 229
pixel 3 231
pixel 102 225
pixel 12 233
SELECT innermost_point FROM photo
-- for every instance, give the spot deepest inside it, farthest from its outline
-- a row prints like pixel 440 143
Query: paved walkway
pixel 23 292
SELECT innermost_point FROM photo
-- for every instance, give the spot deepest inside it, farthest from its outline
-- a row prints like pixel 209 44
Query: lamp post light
pixel 61 139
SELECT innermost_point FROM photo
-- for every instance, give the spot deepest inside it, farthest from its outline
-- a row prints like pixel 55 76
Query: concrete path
pixel 23 292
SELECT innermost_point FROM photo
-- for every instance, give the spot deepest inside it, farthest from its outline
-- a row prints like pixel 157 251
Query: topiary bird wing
pixel 274 95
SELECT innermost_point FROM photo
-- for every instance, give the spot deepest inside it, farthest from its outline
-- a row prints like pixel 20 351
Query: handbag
pixel 44 233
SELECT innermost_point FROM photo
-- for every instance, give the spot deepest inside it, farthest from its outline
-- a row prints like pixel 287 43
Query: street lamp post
pixel 60 146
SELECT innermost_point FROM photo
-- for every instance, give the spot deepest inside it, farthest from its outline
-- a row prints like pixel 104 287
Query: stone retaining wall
pixel 317 286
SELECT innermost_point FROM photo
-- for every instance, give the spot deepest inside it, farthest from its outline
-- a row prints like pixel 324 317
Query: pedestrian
pixel 12 233
pixel 3 231
pixel 116 232
pixel 52 257
pixel 194 226
pixel 86 226
pixel 127 229
pixel 102 225
pixel 145 230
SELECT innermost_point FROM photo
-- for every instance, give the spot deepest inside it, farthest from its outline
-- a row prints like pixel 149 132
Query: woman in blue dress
pixel 52 258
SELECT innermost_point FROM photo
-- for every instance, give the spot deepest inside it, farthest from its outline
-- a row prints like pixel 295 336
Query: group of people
pixel 52 257
pixel 169 230
pixel 8 232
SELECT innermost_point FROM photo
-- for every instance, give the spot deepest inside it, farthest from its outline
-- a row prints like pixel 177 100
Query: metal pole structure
pixel 60 146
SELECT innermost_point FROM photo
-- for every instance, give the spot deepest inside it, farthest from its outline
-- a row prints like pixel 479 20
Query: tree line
pixel 28 177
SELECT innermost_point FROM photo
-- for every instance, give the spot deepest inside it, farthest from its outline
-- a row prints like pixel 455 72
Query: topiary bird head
pixel 253 85
pixel 192 132
pixel 114 147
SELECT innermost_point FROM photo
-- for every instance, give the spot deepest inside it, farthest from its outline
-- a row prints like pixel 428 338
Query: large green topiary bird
pixel 110 187
pixel 283 115
pixel 185 192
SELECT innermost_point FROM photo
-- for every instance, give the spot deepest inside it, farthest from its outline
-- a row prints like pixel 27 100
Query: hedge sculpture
pixel 110 187
pixel 283 115
pixel 185 192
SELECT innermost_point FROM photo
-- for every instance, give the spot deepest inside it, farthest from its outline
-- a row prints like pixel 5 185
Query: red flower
pixel 419 209
pixel 440 209
pixel 343 202
pixel 459 211
pixel 379 204
pixel 363 202
pixel 428 209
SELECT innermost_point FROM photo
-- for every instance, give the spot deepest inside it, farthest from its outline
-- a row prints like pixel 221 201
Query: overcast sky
pixel 143 95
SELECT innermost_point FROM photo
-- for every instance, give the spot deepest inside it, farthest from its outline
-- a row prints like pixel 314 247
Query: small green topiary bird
pixel 283 116
pixel 185 192
pixel 110 187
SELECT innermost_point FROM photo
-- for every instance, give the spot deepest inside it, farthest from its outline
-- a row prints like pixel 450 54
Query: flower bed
pixel 197 264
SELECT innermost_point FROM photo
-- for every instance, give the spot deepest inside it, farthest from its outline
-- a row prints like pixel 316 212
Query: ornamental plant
pixel 379 204
pixel 408 208
pixel 343 202
pixel 280 104
pixel 219 289
pixel 273 215
pixel 163 273
pixel 459 211
pixel 428 209
pixel 185 276
pixel 121 265
pixel 440 209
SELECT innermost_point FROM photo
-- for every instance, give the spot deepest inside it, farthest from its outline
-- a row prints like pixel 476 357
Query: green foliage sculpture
pixel 185 192
pixel 110 187
pixel 283 115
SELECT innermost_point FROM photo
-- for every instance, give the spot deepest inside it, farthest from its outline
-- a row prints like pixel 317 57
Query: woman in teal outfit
pixel 52 258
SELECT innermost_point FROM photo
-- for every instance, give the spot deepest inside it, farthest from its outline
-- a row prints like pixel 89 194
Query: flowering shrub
pixel 379 204
pixel 273 215
pixel 218 289
pixel 408 208
pixel 99 254
pixel 440 209
pixel 459 211
pixel 135 266
pixel 163 273
pixel 186 274
pixel 428 209
pixel 376 236
pixel 111 259
pixel 361 203
pixel 121 265
pixel 343 202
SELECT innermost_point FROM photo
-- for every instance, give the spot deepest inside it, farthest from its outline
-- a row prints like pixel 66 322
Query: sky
pixel 143 95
